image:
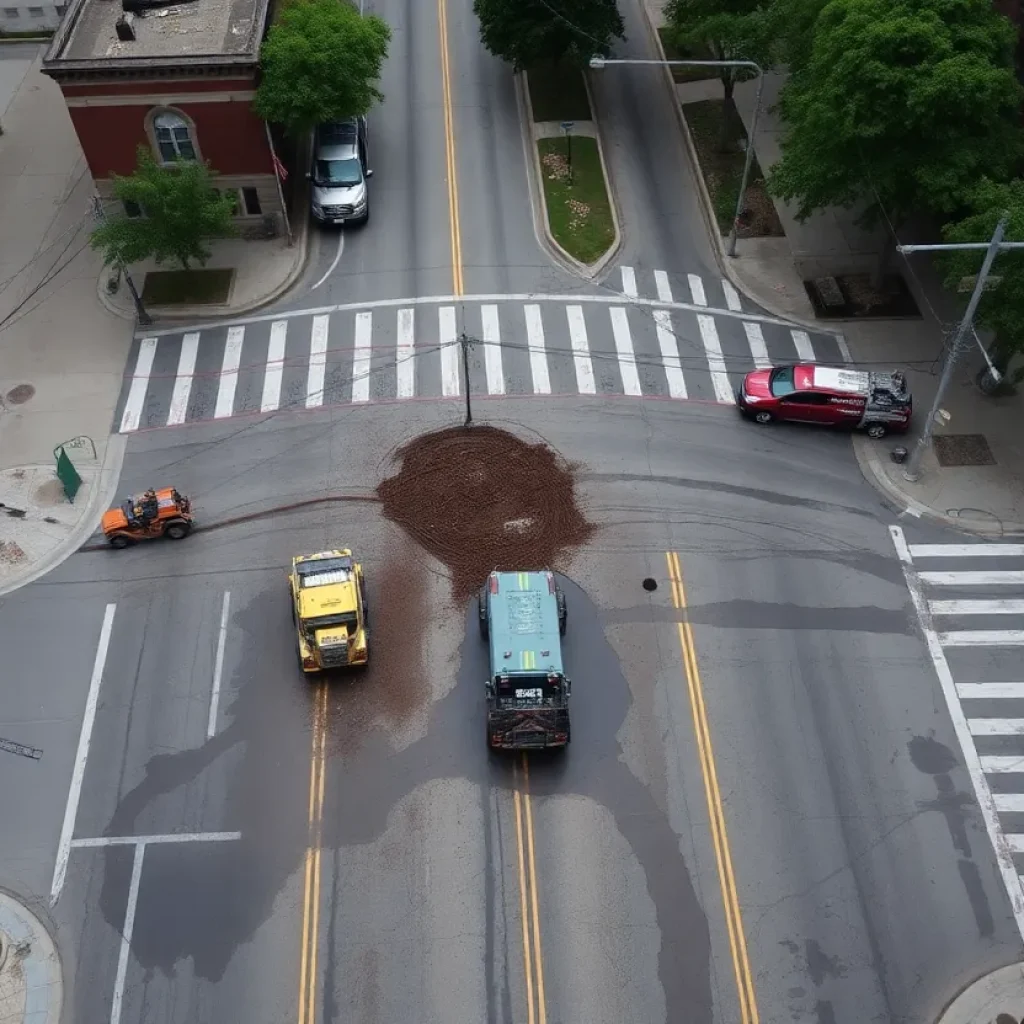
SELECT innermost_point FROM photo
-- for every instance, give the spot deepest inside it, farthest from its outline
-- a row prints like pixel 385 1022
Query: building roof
pixel 194 33
pixel 523 625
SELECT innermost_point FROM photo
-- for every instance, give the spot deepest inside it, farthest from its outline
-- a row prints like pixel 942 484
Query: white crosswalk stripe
pixel 960 620
pixel 390 350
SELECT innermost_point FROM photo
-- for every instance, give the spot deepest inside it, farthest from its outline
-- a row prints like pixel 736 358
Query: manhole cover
pixel 963 450
pixel 20 394
pixel 649 584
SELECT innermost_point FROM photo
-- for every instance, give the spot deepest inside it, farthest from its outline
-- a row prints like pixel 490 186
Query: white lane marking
pixel 169 837
pixel 995 607
pixel 716 361
pixel 406 360
pixel 139 386
pixel 1002 765
pixel 1009 803
pixel 538 355
pixel 982 638
pixel 275 367
pixel 581 350
pixel 361 355
pixel 491 331
pixel 449 341
pixel 990 691
pixel 804 348
pixel 624 348
pixel 629 282
pixel 732 297
pixel 317 362
pixel 697 290
pixel 669 353
pixel 996 578
pixel 218 665
pixel 661 282
pixel 996 726
pixel 966 550
pixel 183 380
pixel 337 257
pixel 551 297
pixel 126 934
pixel 758 349
pixel 81 755
pixel 974 764
pixel 229 373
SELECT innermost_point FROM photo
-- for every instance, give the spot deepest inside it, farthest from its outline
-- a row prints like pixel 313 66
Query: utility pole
pixel 464 343
pixel 992 248
pixel 140 311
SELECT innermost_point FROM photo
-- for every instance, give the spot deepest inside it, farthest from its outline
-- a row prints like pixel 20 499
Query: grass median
pixel 579 211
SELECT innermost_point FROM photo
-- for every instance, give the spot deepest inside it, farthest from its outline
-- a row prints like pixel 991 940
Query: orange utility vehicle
pixel 164 513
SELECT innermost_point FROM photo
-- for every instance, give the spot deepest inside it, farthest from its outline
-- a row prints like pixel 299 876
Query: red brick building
pixel 178 79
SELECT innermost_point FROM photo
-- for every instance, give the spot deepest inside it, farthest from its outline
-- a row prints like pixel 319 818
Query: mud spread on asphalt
pixel 480 498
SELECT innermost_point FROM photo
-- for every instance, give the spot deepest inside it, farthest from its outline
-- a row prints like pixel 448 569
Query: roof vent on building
pixel 125 26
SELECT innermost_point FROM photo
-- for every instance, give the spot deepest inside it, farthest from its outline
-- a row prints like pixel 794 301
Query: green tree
pixel 181 212
pixel 727 30
pixel 791 28
pixel 321 61
pixel 528 33
pixel 1002 306
pixel 903 104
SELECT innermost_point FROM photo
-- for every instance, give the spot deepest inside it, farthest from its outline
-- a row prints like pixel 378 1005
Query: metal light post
pixel 598 63
pixel 992 248
pixel 567 127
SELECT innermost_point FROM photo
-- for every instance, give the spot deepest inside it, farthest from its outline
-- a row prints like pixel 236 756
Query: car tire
pixel 119 541
pixel 876 431
pixel 176 531
pixel 764 417
pixel 563 612
pixel 481 610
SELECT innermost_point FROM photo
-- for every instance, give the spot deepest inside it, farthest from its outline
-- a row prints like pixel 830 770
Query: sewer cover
pixel 650 584
pixel 19 394
pixel 963 450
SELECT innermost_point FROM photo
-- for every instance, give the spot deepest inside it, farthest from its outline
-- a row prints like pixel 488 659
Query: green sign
pixel 68 475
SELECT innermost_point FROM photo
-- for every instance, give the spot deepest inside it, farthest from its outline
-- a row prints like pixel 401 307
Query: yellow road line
pixel 542 1016
pixel 719 836
pixel 527 963
pixel 311 884
pixel 449 145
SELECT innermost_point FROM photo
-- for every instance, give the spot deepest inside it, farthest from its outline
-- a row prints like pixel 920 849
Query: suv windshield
pixel 339 173
pixel 781 381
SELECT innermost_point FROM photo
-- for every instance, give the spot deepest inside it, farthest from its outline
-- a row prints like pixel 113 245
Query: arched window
pixel 173 137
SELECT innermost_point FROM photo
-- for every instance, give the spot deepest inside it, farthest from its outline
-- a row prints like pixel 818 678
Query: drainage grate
pixel 963 450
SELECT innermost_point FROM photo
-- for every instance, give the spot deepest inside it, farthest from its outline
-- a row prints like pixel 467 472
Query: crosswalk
pixel 612 344
pixel 970 601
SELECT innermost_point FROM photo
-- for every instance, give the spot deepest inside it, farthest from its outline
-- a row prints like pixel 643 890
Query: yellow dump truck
pixel 329 610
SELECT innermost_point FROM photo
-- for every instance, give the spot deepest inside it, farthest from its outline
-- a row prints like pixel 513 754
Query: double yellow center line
pixel 449 150
pixel 533 956
pixel 720 840
pixel 311 888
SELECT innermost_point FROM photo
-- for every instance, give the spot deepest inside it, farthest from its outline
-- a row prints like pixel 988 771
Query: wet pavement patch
pixel 480 498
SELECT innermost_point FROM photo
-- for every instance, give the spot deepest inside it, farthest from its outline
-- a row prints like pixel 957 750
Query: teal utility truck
pixel 523 617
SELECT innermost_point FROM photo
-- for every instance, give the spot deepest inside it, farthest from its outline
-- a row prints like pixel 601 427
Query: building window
pixel 35 12
pixel 173 137
pixel 132 209
pixel 10 12
pixel 251 202
pixel 60 9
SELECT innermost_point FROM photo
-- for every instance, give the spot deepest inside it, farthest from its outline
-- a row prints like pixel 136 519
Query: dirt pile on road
pixel 480 498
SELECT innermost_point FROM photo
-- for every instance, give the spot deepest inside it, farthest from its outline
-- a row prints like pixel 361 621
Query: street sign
pixel 567 126
pixel 68 475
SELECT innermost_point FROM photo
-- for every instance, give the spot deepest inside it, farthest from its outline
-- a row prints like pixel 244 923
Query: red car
pixel 828 395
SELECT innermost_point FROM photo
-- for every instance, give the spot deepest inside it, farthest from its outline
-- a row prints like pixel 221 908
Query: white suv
pixel 339 175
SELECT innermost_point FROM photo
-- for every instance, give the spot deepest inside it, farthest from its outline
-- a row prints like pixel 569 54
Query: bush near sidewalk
pixel 579 214
pixel 722 168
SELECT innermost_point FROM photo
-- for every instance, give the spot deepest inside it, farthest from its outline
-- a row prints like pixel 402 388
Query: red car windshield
pixel 781 381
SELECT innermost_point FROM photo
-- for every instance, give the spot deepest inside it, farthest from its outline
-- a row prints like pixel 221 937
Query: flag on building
pixel 279 168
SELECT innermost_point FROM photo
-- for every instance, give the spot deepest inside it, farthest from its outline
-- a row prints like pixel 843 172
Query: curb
pixel 192 313
pixel 871 467
pixel 541 224
pixel 990 997
pixel 41 977
pixel 707 209
pixel 100 499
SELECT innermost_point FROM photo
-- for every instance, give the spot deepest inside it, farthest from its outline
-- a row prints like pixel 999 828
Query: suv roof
pixel 523 626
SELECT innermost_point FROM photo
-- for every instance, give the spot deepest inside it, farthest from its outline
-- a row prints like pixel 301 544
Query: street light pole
pixel 912 471
pixel 599 63
pixel 464 343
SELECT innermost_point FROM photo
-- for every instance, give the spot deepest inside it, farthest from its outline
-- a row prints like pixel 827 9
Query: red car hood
pixel 756 383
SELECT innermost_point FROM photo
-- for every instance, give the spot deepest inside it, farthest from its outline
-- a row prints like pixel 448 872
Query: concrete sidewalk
pixel 998 998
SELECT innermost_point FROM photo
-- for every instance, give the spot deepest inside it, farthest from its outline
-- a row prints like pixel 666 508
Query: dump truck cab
pixel 523 617
pixel 329 610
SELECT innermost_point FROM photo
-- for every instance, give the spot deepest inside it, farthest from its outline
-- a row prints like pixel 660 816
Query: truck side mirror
pixel 489 687
pixel 568 687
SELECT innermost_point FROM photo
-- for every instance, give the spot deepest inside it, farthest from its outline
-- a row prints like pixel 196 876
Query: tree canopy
pixel 527 33
pixel 903 103
pixel 320 62
pixel 180 210
pixel 1002 307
